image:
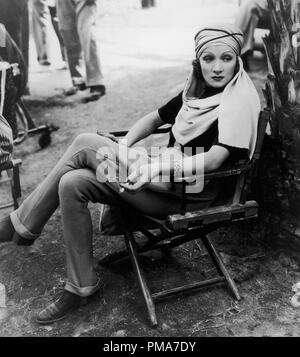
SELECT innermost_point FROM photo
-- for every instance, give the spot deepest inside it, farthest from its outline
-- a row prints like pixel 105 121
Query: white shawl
pixel 237 109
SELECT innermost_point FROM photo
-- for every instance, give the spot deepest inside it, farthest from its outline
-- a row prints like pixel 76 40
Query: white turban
pixel 228 34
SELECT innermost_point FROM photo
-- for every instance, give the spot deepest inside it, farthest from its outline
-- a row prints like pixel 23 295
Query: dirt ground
pixel 146 56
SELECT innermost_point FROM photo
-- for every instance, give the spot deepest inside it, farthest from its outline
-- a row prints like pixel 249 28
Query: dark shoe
pixel 6 229
pixel 60 309
pixel 18 240
pixel 73 90
pixel 96 92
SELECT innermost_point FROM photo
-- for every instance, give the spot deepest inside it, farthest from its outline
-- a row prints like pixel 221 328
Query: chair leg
pixel 16 174
pixel 130 244
pixel 220 266
pixel 113 257
pixel 11 177
pixel 13 185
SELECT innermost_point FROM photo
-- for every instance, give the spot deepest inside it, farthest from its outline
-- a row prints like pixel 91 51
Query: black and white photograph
pixel 149 171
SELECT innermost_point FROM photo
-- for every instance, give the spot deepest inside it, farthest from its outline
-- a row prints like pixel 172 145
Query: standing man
pixel 40 29
pixel 54 19
pixel 41 12
pixel 77 21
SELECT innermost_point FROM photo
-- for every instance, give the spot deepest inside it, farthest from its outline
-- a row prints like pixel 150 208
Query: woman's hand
pixel 140 178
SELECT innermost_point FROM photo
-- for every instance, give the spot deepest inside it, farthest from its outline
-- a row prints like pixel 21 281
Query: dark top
pixel 168 114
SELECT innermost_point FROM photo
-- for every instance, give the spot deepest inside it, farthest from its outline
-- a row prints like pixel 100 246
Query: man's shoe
pixel 60 309
pixel 8 233
pixel 96 92
pixel 7 229
pixel 73 90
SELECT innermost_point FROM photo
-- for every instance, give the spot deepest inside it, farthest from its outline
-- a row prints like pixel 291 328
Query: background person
pixel 54 20
pixel 77 21
pixel 40 19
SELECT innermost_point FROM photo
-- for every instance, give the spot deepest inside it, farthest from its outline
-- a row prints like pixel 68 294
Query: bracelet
pixel 177 168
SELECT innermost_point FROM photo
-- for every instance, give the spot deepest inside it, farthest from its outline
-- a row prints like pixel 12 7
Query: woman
pixel 217 110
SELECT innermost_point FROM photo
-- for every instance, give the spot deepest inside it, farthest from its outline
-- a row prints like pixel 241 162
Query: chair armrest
pixel 213 215
pixel 223 172
pixel 161 130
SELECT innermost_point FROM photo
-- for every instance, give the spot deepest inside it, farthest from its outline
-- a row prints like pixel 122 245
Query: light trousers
pixel 77 22
pixel 40 28
pixel 247 19
pixel 80 177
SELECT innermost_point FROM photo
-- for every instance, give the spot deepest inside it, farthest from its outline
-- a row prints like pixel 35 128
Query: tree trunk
pixel 283 52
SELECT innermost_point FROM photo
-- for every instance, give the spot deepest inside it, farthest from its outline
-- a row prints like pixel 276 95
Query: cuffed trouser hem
pixel 20 228
pixel 77 81
pixel 83 292
pixel 92 83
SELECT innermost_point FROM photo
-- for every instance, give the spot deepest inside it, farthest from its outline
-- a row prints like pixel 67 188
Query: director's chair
pixel 186 226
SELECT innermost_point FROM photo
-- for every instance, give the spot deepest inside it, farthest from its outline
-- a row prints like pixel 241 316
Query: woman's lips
pixel 218 79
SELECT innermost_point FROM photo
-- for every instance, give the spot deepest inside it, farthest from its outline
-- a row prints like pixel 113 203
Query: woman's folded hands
pixel 141 177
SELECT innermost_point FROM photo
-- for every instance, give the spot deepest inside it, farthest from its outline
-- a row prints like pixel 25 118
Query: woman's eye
pixel 227 58
pixel 207 58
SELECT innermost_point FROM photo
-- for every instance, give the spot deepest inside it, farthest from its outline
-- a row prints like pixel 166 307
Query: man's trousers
pixel 77 22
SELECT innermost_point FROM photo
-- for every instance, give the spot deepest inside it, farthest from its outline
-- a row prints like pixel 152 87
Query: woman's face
pixel 218 65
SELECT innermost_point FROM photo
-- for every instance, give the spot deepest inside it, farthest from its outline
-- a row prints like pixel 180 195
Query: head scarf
pixel 229 35
pixel 237 108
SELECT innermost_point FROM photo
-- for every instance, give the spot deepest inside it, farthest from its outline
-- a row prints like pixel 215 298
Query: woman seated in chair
pixel 218 111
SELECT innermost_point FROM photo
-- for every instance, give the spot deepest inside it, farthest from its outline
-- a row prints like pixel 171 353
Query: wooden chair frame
pixel 187 226
pixel 13 177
